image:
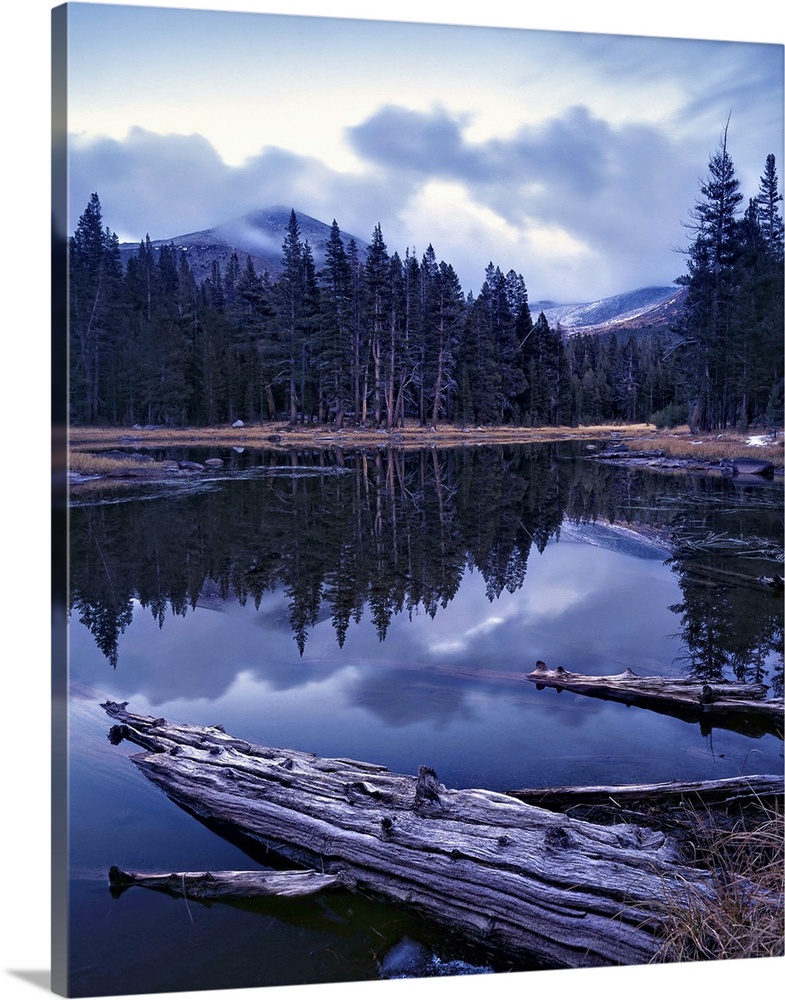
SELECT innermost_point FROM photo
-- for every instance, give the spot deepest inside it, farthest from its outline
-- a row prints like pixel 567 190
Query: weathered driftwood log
pixel 719 791
pixel 229 885
pixel 742 707
pixel 518 879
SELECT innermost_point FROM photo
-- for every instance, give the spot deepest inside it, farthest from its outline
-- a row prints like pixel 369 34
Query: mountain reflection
pixel 345 536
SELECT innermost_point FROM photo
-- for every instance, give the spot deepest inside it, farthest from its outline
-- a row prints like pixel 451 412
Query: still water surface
pixel 384 606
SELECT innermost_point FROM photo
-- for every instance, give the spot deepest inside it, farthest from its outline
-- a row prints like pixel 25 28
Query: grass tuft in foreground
pixel 745 918
pixel 88 464
pixel 714 446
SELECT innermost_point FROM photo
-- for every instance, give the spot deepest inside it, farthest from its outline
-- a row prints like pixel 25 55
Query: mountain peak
pixel 258 234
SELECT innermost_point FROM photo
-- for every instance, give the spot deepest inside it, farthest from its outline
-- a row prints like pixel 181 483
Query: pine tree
pixel 773 233
pixel 94 281
pixel 411 329
pixel 503 332
pixel 545 369
pixel 769 218
pixel 357 326
pixel 290 297
pixel 770 329
pixel 395 360
pixel 213 376
pixel 310 390
pixel 709 280
pixel 251 338
pixel 448 328
pixel 757 321
pixel 481 393
pixel 335 356
pixel 165 337
pixel 230 279
pixel 377 268
pixel 519 304
pixel 422 344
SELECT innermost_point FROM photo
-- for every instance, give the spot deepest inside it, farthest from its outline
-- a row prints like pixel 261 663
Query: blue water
pixel 446 690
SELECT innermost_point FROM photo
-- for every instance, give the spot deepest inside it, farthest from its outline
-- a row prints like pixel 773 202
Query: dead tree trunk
pixel 719 791
pixel 228 885
pixel 513 877
pixel 741 707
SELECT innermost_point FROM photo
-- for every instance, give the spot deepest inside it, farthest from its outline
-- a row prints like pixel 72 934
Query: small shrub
pixel 669 416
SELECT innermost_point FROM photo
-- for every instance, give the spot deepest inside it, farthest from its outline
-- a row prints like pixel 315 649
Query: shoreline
pixel 282 435
pixel 630 445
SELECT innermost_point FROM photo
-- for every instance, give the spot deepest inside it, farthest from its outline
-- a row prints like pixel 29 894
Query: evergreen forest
pixel 375 339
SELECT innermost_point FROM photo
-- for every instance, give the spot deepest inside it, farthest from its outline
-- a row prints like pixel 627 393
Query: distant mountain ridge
pixel 258 235
pixel 655 306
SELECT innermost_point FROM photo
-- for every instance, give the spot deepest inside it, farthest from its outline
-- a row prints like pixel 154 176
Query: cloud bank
pixel 581 206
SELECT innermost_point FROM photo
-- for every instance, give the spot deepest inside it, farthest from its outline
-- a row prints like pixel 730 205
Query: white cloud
pixel 570 158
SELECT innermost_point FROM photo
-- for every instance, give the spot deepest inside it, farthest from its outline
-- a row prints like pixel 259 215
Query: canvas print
pixel 420 553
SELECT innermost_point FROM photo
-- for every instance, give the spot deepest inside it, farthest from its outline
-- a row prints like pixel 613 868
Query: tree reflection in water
pixel 389 532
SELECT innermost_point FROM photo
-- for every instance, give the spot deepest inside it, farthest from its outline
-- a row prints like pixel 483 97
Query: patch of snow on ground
pixel 759 440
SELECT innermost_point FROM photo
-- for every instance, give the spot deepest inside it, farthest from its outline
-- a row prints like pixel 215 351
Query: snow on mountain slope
pixel 642 307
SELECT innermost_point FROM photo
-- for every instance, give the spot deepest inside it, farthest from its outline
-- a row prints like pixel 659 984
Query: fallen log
pixel 719 791
pixel 693 812
pixel 741 707
pixel 515 878
pixel 228 885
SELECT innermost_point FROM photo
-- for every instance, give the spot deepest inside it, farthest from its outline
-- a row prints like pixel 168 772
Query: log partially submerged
pixel 741 707
pixel 516 878
pixel 228 885
pixel 675 806
pixel 759 788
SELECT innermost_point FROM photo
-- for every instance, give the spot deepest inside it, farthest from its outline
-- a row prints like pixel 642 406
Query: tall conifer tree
pixel 709 280
pixel 290 296
pixel 94 284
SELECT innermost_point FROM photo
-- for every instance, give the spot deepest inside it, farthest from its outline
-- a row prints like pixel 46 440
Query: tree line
pixel 374 339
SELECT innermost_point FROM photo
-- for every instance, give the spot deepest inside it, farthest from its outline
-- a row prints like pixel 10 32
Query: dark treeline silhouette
pixel 730 336
pixel 374 339
pixel 369 342
pixel 388 532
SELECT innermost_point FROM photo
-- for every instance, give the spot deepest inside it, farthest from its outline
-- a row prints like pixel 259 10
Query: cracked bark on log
pixel 229 885
pixel 513 877
pixel 719 791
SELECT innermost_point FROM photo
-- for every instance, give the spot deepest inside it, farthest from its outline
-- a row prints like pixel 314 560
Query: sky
pixel 572 158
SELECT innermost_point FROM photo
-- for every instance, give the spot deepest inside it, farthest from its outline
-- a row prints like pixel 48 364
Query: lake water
pixel 385 606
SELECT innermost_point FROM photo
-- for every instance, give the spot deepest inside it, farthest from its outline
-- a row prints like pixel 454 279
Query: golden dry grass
pixel 745 918
pixel 411 435
pixel 677 443
pixel 86 463
pixel 714 446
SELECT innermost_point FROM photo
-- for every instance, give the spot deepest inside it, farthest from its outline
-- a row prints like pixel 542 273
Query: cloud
pixel 414 142
pixel 556 170
pixel 146 182
pixel 171 185
pixel 609 198
pixel 580 205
